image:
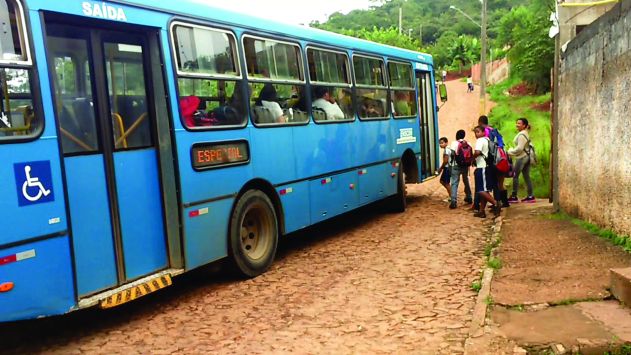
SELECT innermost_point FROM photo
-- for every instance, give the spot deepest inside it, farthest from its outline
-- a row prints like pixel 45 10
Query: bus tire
pixel 253 235
pixel 398 202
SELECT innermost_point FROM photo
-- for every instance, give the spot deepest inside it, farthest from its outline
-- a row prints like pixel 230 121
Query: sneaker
pixel 513 199
pixel 468 200
pixel 529 199
pixel 453 206
pixel 497 210
pixel 480 214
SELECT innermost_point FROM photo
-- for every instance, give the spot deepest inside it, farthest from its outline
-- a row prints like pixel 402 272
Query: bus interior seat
pixel 263 115
pixel 319 114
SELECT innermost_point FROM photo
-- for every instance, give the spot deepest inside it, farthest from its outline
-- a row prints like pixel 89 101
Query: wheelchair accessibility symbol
pixel 33 182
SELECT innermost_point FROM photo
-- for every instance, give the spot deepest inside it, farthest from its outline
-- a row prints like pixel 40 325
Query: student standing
pixel 463 155
pixel 445 167
pixel 521 156
pixel 485 178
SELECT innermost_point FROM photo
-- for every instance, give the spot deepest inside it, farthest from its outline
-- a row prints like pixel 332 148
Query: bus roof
pixel 195 9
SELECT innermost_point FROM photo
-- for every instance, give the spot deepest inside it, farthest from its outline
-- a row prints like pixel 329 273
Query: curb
pixel 478 320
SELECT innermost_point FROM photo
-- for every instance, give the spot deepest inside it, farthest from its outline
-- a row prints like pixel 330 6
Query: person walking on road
pixel 445 167
pixel 469 84
pixel 463 157
pixel 444 75
pixel 521 160
pixel 485 178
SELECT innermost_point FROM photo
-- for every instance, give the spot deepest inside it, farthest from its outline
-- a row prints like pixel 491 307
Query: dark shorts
pixel 445 178
pixel 485 180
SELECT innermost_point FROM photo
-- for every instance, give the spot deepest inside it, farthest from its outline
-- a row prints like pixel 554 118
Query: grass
pixel 476 286
pixel 503 117
pixel 494 263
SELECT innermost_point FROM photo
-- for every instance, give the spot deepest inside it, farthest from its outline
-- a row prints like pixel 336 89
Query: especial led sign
pixel 213 155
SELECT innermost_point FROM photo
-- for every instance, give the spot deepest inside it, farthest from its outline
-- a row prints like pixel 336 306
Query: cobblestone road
pixel 369 282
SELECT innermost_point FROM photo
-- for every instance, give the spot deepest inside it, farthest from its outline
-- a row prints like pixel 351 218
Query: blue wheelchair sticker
pixel 34 182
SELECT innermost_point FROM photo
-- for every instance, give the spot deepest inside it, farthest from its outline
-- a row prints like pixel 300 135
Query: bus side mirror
pixel 442 89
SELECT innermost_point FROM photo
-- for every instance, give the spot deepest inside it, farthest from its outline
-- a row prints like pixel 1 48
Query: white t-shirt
pixel 444 73
pixel 469 81
pixel 274 108
pixel 333 111
pixel 450 152
pixel 482 144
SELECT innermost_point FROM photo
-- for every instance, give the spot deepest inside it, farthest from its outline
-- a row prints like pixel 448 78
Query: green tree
pixel 464 50
pixel 389 36
pixel 524 31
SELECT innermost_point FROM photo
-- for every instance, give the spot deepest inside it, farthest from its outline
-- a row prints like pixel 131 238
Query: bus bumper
pixel 36 280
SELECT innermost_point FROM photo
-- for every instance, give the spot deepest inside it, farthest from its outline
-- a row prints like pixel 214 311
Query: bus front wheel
pixel 253 233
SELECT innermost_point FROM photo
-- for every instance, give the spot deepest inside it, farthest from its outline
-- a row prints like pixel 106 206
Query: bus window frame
pixel 386 86
pixel 178 73
pixel 394 88
pixel 248 79
pixel 349 85
pixel 24 39
pixel 30 65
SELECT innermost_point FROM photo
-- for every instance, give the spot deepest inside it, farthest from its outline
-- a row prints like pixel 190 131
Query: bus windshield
pixel 17 117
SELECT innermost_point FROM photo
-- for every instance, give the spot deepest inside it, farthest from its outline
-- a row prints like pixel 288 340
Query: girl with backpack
pixel 522 160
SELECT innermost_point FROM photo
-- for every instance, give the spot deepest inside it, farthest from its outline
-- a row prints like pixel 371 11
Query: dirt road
pixel 368 282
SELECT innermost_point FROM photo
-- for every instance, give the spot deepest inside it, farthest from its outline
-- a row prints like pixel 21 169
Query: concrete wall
pixel 571 17
pixel 595 122
pixel 496 71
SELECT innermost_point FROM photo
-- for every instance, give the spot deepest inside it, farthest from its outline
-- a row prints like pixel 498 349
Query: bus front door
pixel 105 115
pixel 429 129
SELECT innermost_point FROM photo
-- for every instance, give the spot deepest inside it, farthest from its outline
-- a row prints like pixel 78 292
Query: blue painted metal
pixel 333 195
pixel 140 205
pixel 91 224
pixel 206 233
pixel 43 283
pixel 297 214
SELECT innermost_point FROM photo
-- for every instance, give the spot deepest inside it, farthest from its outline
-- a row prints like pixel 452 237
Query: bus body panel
pixel 201 185
pixel 297 212
pixel 206 230
pixel 269 151
pixel 91 224
pixel 24 219
pixel 42 278
pixel 144 246
pixel 333 195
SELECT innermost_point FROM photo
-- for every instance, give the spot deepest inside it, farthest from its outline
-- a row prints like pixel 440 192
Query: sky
pixel 290 11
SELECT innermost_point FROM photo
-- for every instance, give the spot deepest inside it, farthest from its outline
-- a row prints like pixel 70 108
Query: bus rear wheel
pixel 253 234
pixel 398 202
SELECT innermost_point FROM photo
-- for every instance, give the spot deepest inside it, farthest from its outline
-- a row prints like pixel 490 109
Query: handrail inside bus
pixel 73 138
pixel 132 128
pixel 121 128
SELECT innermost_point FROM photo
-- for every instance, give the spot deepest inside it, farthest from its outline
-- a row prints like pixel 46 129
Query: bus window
pixel 277 93
pixel 402 93
pixel 331 97
pixel 372 92
pixel 210 84
pixel 17 117
pixel 128 95
pixel 73 94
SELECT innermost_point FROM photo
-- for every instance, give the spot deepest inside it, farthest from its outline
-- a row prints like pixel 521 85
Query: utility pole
pixel 483 62
pixel 420 34
pixel 400 20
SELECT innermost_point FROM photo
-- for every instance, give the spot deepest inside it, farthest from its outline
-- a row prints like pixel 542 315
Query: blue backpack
pixel 496 137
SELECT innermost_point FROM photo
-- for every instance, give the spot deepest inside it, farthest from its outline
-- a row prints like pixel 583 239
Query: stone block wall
pixel 595 122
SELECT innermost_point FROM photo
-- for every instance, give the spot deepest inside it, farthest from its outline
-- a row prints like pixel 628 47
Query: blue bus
pixel 142 139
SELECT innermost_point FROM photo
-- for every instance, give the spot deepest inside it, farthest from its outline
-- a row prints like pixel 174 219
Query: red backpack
pixel 498 158
pixel 464 154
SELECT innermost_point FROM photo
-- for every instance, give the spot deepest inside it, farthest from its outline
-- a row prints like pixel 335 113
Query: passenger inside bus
pixel 372 108
pixel 402 104
pixel 266 108
pixel 326 102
